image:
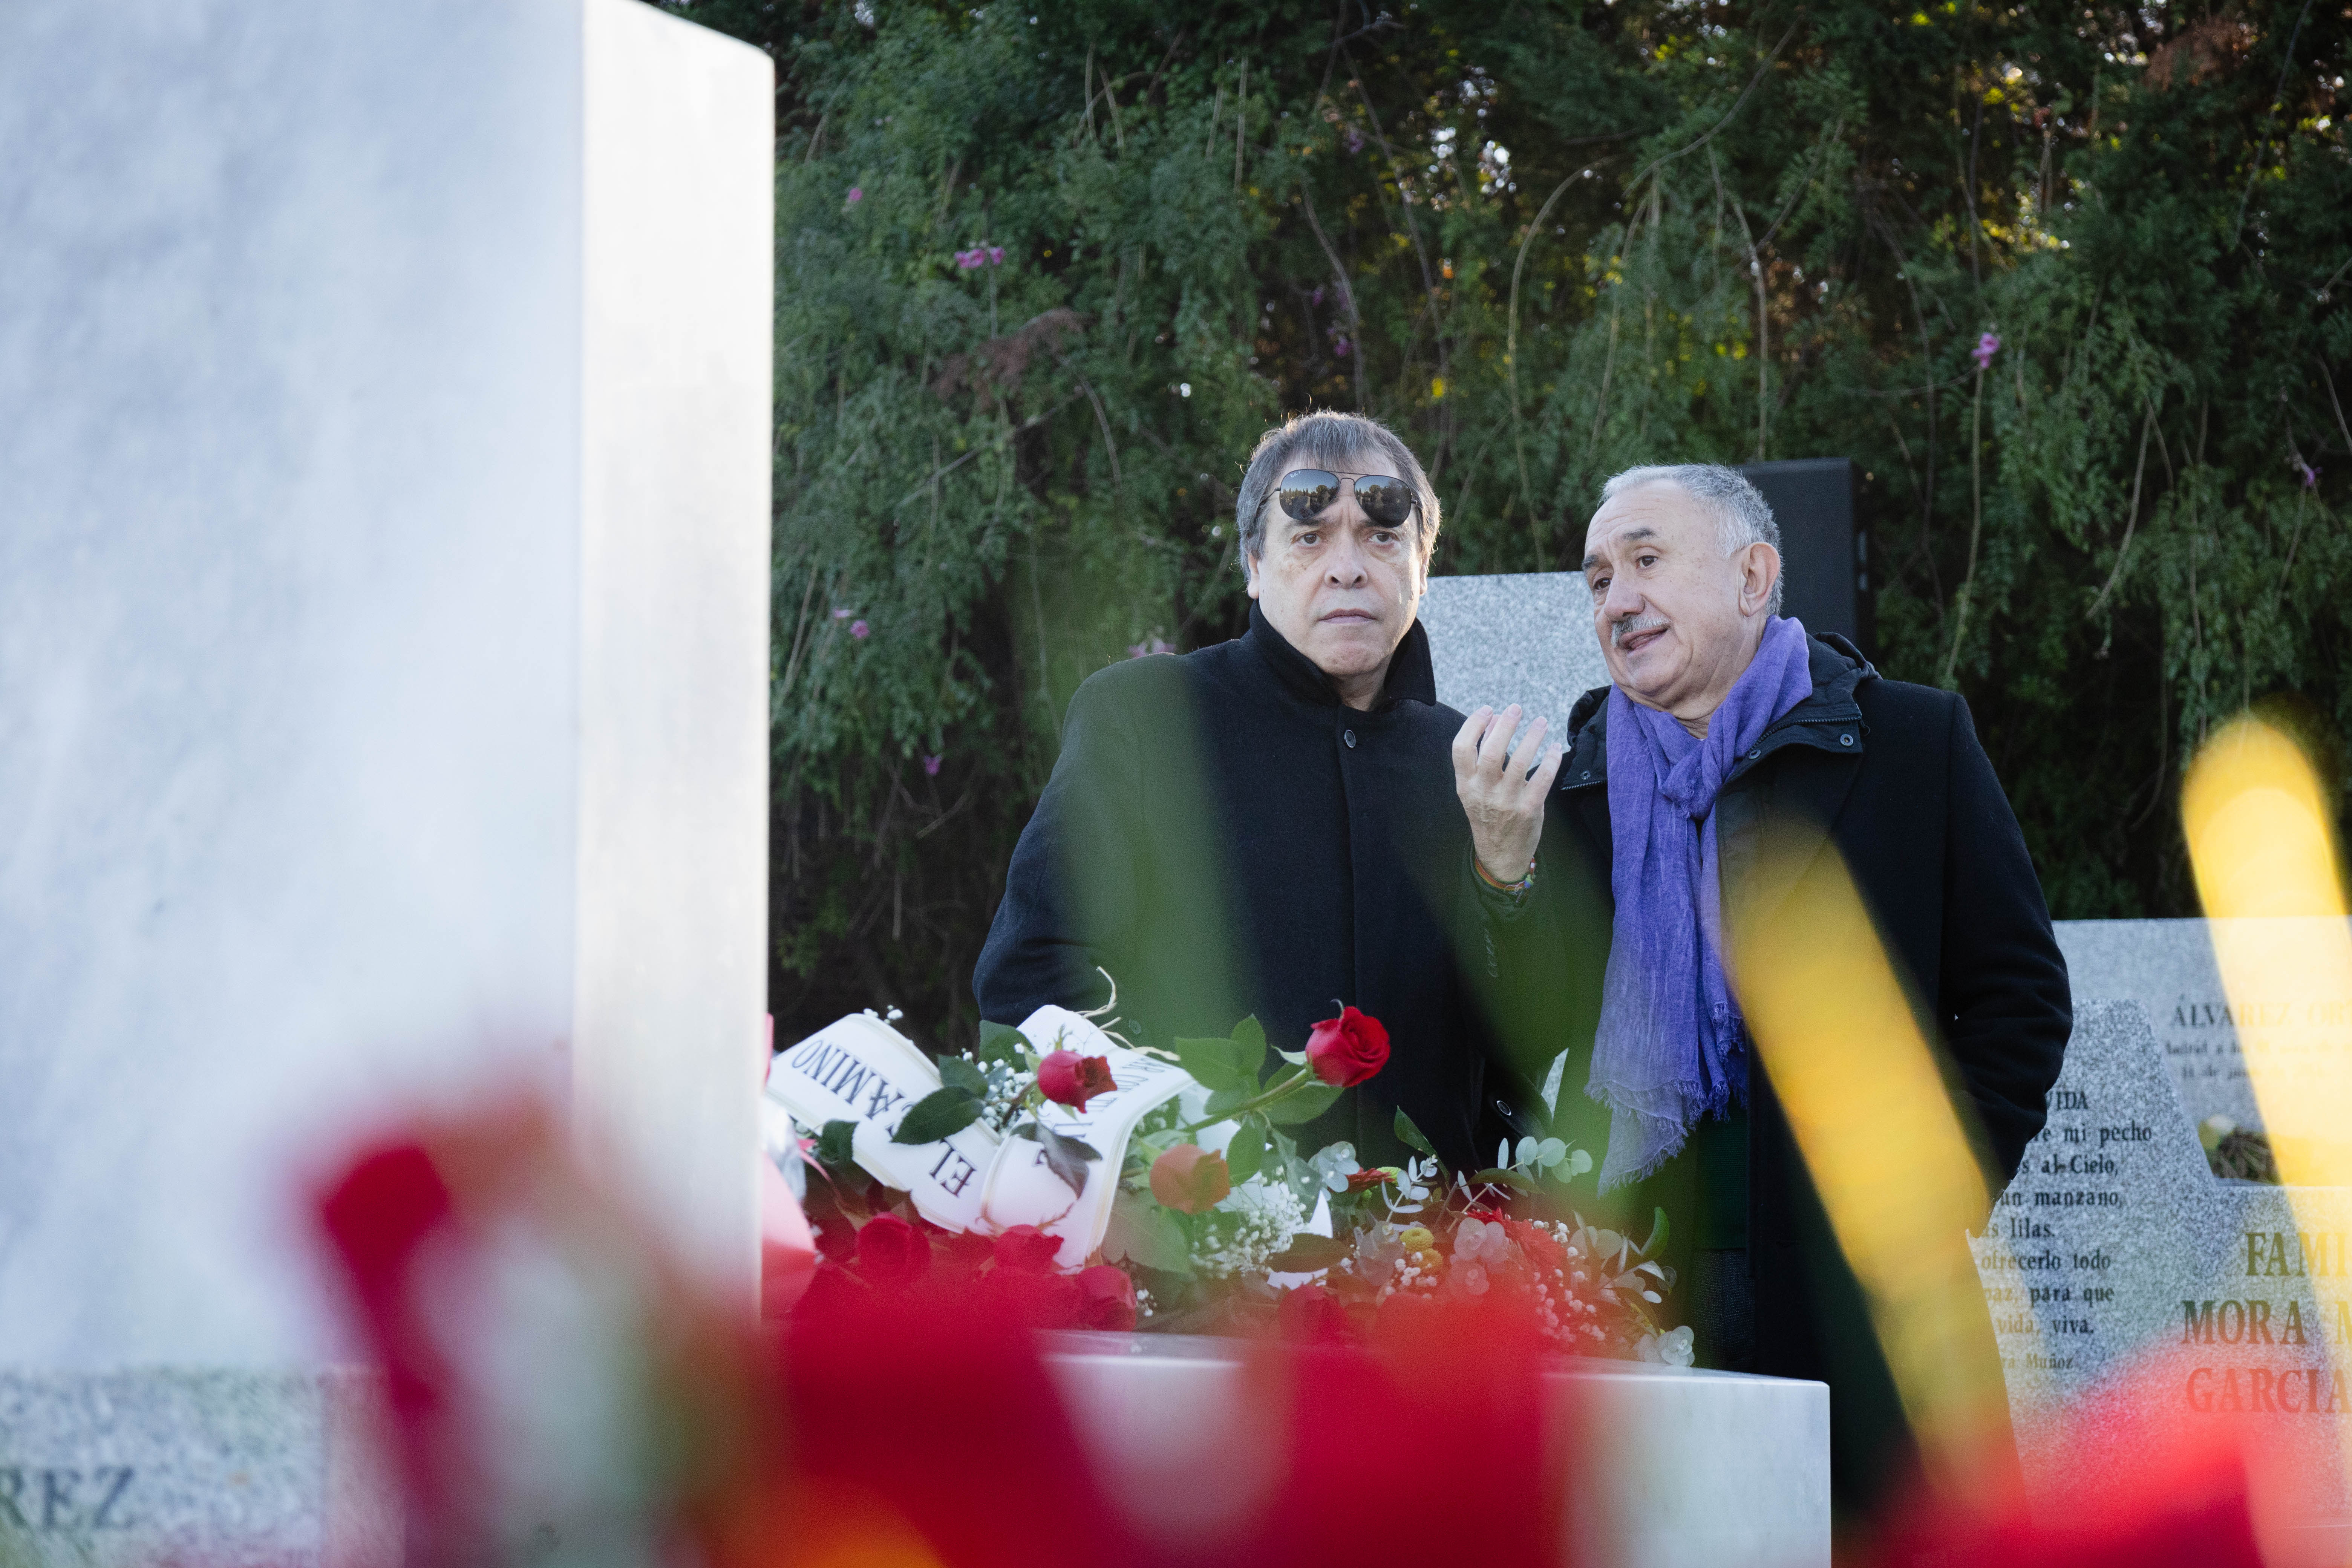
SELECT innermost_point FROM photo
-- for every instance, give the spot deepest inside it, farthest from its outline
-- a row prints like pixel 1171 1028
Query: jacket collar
pixel 1412 675
pixel 1830 720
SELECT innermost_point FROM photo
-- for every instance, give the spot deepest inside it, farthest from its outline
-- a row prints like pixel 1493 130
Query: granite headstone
pixel 384 686
pixel 2167 967
pixel 2115 1248
pixel 1524 637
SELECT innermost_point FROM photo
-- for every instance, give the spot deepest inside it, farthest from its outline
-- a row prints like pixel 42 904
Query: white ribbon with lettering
pixel 862 1070
pixel 1022 1189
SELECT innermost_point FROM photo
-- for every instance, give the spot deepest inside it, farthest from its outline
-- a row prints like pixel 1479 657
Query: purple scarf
pixel 1671 1046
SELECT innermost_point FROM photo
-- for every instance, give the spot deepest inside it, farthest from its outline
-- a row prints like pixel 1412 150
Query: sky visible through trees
pixel 2071 283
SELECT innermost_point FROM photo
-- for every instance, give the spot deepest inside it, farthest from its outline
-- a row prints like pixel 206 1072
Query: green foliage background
pixel 1546 240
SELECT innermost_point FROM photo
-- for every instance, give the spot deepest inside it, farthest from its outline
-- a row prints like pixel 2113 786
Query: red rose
pixel 1036 1301
pixel 1068 1078
pixel 1346 1050
pixel 1188 1177
pixel 1106 1299
pixel 1311 1315
pixel 1361 1180
pixel 1025 1249
pixel 892 1252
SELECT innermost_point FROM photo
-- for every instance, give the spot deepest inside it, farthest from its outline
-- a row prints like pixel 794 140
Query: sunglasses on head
pixel 1307 493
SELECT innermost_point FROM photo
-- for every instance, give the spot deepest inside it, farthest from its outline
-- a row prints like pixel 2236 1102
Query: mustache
pixel 1633 626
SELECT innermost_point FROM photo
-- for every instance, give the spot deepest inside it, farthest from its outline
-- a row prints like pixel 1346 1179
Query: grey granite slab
pixel 2115 1249
pixel 2166 966
pixel 1524 637
pixel 156 1464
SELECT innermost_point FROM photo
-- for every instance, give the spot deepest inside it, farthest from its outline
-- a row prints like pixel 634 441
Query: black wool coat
pixel 1891 775
pixel 1225 838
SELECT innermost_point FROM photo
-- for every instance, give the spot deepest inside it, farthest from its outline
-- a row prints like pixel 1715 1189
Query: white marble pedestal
pixel 1686 1468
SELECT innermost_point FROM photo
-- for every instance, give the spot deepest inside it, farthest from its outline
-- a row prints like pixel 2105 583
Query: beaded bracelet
pixel 1516 889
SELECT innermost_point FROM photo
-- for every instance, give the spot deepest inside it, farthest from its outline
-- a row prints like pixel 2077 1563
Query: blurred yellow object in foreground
pixel 1885 1147
pixel 2263 848
pixel 2264 855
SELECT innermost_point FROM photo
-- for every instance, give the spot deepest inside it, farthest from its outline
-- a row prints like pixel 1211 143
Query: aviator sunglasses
pixel 1307 493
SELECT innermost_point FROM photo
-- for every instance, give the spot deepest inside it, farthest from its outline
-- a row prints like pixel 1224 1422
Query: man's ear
pixel 1249 571
pixel 1757 575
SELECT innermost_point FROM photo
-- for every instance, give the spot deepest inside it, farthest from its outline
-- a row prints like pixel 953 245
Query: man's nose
pixel 1623 600
pixel 1346 564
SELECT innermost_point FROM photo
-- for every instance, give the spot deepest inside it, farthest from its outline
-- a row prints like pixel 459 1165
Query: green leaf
pixel 1218 1064
pixel 1305 1105
pixel 1002 1043
pixel 957 1072
pixel 1143 1232
pixel 1296 1059
pixel 1246 1153
pixel 1411 1135
pixel 939 1114
pixel 834 1145
pixel 1067 1157
pixel 1224 1100
pixel 1250 1035
pixel 1659 1233
pixel 1306 1253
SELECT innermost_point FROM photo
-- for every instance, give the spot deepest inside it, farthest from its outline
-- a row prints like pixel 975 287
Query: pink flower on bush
pixel 860 630
pixel 856 194
pixel 840 613
pixel 930 767
pixel 1987 346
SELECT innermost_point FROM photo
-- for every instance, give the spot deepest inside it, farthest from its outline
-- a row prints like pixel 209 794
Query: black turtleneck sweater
pixel 1224 836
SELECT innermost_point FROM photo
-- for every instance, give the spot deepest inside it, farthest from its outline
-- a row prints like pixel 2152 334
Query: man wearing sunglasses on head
pixel 1268 826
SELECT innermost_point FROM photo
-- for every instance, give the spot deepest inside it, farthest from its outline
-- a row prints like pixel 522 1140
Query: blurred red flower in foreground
pixel 550 1368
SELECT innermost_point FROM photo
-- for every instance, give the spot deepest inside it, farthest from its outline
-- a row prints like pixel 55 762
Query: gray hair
pixel 1742 516
pixel 1322 439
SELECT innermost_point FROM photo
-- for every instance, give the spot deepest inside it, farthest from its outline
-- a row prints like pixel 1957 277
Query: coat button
pixel 1845 739
pixel 1349 736
pixel 1585 774
pixel 1756 753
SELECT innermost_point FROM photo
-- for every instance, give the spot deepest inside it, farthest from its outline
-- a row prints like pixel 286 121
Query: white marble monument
pixel 383 658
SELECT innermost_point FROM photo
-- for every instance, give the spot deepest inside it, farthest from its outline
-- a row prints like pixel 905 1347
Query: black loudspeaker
pixel 1825 558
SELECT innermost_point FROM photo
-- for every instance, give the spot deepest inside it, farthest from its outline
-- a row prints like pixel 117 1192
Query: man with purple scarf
pixel 1725 726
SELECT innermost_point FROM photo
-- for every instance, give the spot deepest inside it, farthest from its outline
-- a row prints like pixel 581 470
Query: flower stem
pixel 1283 1088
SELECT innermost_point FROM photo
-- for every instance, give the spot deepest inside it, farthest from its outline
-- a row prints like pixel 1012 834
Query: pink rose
pixel 1190 1178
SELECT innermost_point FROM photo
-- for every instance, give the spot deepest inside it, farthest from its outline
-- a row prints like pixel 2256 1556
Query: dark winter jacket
pixel 1893 775
pixel 1225 837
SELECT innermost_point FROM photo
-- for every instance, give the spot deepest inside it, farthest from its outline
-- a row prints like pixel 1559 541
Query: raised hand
pixel 1502 788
